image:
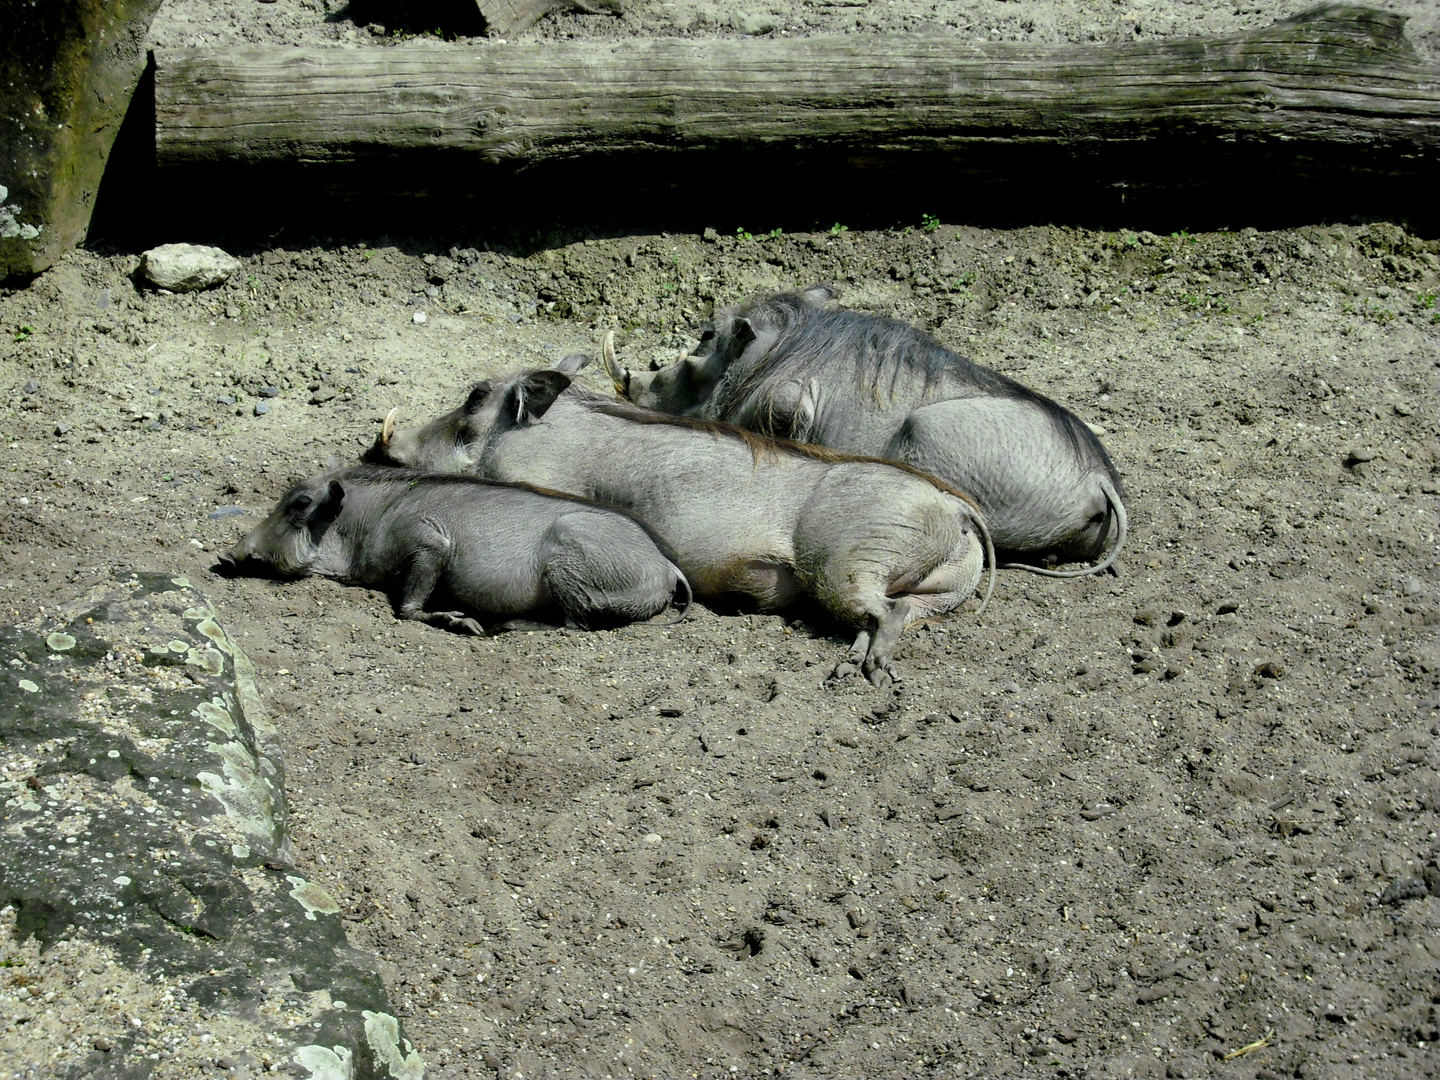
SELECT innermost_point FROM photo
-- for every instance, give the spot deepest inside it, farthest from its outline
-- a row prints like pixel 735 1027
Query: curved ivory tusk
pixel 618 375
pixel 684 355
pixel 387 429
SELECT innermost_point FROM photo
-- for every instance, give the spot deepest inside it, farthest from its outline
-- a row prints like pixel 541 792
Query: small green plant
pixel 1182 236
pixel 1425 301
pixel 744 236
pixel 1132 241
pixel 1380 314
pixel 775 233
pixel 23 332
pixel 837 229
pixel 929 223
pixel 1192 300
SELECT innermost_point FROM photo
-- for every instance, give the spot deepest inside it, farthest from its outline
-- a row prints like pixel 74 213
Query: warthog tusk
pixel 618 375
pixel 387 429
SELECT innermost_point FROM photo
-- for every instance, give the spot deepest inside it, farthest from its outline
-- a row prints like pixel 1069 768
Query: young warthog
pixel 879 545
pixel 785 365
pixel 494 549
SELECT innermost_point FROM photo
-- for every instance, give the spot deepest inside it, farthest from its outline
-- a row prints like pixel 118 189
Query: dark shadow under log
pixel 1330 106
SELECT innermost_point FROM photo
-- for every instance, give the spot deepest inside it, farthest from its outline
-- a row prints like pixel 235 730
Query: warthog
pixel 786 365
pixel 878 545
pixel 501 550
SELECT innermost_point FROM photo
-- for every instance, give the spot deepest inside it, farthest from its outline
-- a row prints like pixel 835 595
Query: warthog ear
pixel 532 396
pixel 573 363
pixel 744 334
pixel 328 508
pixel 817 294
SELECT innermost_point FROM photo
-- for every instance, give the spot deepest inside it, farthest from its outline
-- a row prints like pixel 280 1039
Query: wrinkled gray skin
pixel 491 549
pixel 878 545
pixel 787 366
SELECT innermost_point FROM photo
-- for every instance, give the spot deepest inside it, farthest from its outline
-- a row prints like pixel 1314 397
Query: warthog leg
pixel 421 577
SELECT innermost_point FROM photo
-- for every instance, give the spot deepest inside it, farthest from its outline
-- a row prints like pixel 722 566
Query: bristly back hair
pixel 761 447
pixel 885 352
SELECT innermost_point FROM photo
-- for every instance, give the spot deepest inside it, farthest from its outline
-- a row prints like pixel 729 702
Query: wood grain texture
pixel 1343 78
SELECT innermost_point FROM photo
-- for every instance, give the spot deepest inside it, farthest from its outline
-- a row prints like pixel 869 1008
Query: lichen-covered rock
pixel 187 267
pixel 143 836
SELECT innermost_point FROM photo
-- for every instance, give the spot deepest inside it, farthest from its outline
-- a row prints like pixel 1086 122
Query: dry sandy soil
pixel 1179 822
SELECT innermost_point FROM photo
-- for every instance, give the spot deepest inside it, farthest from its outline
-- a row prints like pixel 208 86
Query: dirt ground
pixel 1179 822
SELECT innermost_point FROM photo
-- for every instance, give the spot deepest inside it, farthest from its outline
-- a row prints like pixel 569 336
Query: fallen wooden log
pixel 1338 79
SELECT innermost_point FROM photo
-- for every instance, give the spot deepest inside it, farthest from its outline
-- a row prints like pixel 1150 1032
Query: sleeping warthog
pixel 787 366
pixel 494 549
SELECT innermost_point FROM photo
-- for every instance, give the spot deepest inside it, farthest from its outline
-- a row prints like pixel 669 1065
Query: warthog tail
pixel 984 531
pixel 1122 524
pixel 689 599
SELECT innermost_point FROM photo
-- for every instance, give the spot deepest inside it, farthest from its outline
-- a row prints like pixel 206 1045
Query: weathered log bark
pixel 67 71
pixel 1342 79
pixel 512 16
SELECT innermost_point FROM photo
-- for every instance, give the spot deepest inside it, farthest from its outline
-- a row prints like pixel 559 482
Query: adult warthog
pixel 786 365
pixel 879 545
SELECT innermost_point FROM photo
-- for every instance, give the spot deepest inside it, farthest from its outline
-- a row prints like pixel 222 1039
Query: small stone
pixel 261 408
pixel 754 25
pixel 324 394
pixel 1228 607
pixel 1403 408
pixel 232 311
pixel 1096 811
pixel 1412 586
pixel 1358 456
pixel 1410 888
pixel 653 838
pixel 419 317
pixel 1066 1035
pixel 187 267
pixel 101 1043
pixel 710 236
pixel 30 387
pixel 62 429
pixel 224 399
pixel 269 391
pixel 1012 688
pixel 672 711
pixel 1146 617
pixel 1269 669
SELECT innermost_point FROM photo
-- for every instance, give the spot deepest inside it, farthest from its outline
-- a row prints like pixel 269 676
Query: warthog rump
pixel 879 545
pixel 493 549
pixel 786 365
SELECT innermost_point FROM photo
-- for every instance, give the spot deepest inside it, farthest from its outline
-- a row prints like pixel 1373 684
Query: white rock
pixel 187 267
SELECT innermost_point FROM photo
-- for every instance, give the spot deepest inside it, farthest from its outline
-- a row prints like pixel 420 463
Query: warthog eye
pixel 477 397
pixel 302 502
